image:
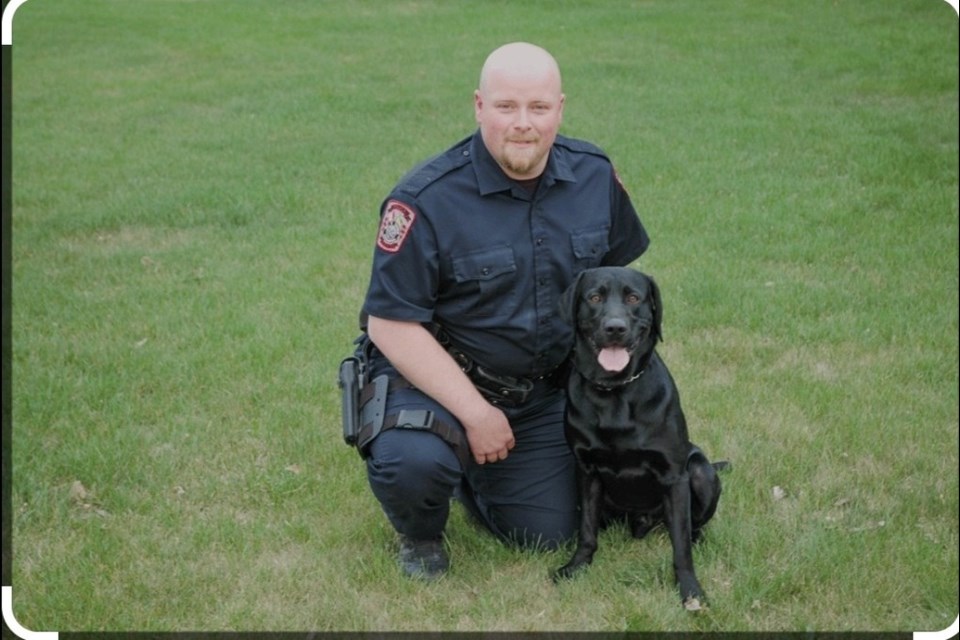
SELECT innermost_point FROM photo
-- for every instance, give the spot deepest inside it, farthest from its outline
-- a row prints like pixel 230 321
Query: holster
pixel 373 405
pixel 349 381
pixel 364 405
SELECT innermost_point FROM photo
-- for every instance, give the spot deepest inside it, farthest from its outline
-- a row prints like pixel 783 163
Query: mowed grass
pixel 195 194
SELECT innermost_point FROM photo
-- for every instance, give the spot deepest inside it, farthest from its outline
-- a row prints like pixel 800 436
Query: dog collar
pixel 621 383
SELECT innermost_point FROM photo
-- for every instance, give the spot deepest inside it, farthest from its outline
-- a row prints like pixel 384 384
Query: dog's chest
pixel 632 479
pixel 623 463
pixel 632 406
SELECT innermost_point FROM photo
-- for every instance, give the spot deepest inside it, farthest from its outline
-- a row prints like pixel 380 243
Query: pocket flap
pixel 484 265
pixel 591 243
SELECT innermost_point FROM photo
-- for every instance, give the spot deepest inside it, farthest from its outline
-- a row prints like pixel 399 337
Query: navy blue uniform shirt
pixel 462 245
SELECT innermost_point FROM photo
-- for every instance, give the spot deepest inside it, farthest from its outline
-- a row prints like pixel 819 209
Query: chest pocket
pixel 486 281
pixel 590 246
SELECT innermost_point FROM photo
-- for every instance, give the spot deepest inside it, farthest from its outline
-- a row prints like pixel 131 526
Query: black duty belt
pixel 508 391
pixel 500 390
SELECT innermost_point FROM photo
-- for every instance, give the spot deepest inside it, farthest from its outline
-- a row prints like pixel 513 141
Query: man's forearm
pixel 426 364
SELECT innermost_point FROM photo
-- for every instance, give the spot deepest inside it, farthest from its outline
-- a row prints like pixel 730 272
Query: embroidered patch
pixel 396 223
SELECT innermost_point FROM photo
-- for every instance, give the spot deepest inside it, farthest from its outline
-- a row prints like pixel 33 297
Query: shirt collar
pixel 492 179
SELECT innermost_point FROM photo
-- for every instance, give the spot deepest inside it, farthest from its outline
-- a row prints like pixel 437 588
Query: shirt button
pixel 485 271
pixel 539 242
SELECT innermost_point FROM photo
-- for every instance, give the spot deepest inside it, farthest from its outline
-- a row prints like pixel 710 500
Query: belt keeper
pixel 415 419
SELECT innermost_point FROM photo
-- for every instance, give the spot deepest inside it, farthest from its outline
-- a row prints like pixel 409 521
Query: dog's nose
pixel 615 328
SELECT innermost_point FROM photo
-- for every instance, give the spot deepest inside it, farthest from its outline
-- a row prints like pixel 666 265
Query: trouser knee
pixel 532 528
pixel 413 474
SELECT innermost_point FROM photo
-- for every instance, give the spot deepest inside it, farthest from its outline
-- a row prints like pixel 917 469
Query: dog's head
pixel 616 314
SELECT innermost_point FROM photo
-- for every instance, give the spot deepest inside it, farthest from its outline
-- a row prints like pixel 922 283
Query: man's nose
pixel 523 121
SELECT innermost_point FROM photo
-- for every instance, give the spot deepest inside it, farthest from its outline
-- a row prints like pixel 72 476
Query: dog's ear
pixel 568 301
pixel 657 308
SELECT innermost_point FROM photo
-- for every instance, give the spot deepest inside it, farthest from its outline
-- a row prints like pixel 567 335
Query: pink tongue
pixel 614 358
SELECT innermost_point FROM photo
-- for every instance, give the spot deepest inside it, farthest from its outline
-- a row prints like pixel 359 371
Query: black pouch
pixel 503 390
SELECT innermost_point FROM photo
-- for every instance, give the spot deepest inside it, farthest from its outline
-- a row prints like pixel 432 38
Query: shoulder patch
pixel 397 220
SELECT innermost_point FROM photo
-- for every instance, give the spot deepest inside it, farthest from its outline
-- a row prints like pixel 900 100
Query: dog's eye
pixel 596 298
pixel 633 298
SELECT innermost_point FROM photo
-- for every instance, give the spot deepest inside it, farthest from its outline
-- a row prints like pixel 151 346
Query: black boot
pixel 424 559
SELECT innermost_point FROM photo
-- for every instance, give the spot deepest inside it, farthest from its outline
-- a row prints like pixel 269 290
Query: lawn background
pixel 195 189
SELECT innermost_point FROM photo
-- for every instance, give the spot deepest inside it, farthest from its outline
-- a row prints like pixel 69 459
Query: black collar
pixel 614 385
pixel 611 385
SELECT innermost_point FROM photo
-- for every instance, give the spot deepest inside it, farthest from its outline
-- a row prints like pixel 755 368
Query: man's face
pixel 519 114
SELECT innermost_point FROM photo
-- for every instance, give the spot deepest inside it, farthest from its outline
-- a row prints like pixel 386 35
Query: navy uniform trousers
pixel 529 498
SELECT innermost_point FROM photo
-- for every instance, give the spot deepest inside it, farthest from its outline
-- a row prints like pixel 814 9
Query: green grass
pixel 195 195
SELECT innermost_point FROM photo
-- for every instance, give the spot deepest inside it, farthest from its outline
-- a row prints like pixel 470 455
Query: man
pixel 474 249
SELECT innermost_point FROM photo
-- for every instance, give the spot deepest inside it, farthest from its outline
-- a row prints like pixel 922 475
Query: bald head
pixel 520 61
pixel 519 107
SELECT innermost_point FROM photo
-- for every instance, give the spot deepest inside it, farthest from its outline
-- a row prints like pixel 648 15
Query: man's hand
pixel 490 435
pixel 420 359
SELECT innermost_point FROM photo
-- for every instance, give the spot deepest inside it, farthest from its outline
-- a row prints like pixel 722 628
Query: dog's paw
pixel 565 573
pixel 696 536
pixel 722 465
pixel 691 593
pixel 641 525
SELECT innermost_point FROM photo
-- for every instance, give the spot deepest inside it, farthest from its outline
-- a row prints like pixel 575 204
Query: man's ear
pixel 477 104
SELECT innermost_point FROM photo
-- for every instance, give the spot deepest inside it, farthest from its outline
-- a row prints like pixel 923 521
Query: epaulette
pixel 431 170
pixel 580 146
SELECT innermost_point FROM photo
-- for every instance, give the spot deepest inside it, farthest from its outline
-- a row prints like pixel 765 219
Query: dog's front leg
pixel 677 514
pixel 591 499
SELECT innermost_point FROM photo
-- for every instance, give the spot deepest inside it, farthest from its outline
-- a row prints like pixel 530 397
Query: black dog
pixel 625 425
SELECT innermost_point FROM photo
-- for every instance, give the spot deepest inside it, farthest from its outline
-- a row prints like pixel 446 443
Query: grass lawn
pixel 195 188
